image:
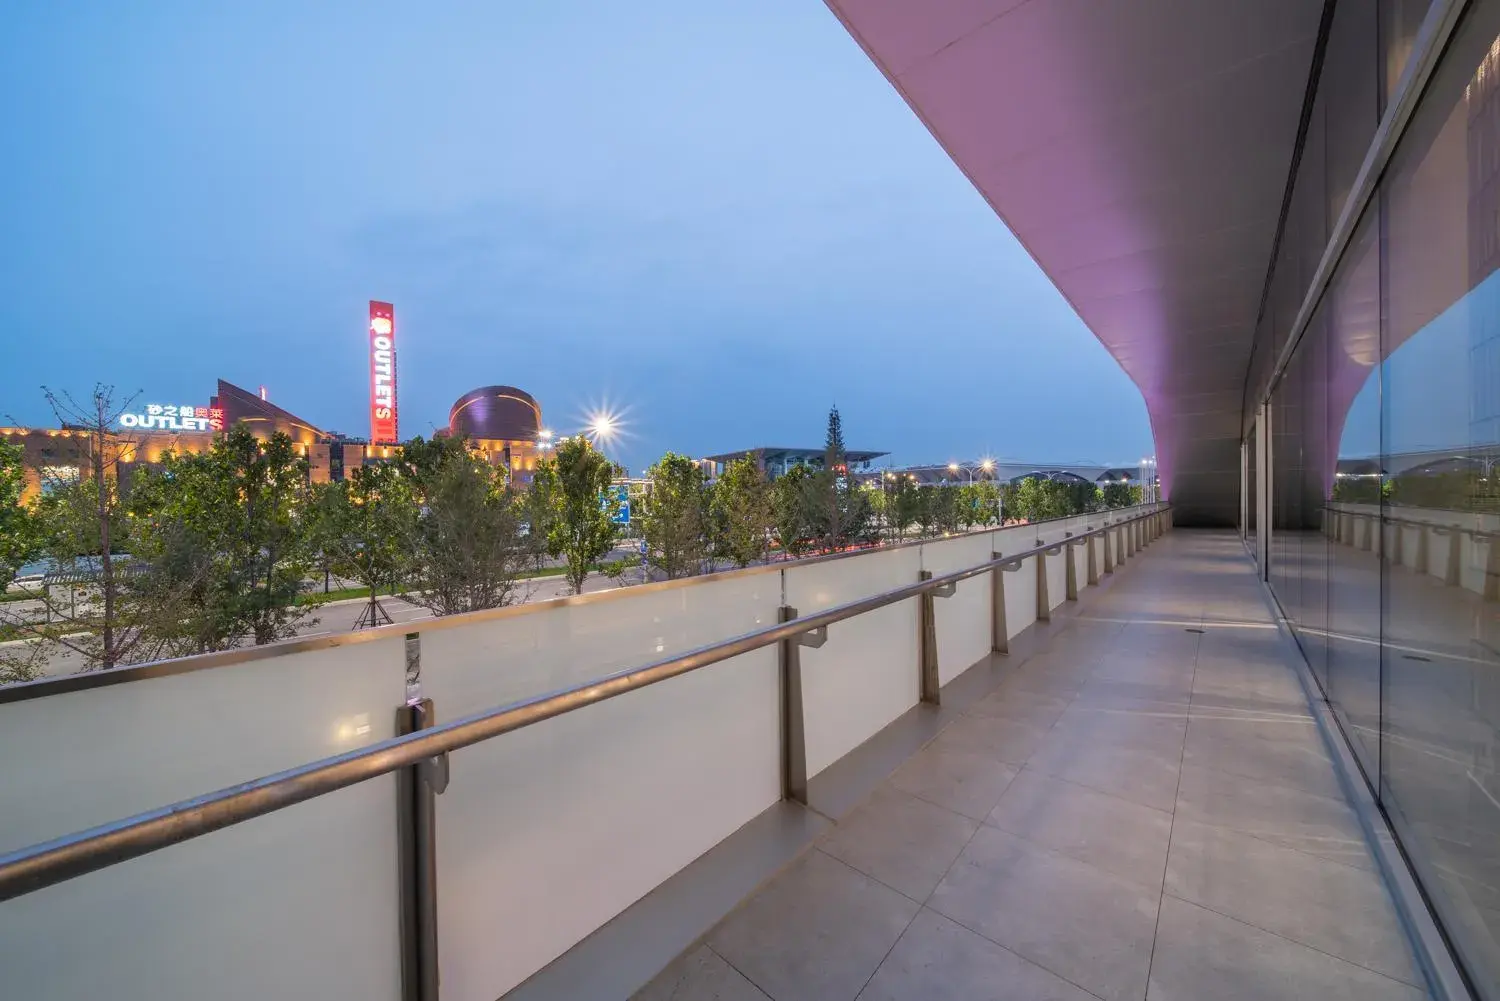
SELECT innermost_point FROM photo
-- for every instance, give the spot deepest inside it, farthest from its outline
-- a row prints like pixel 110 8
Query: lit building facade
pixel 502 423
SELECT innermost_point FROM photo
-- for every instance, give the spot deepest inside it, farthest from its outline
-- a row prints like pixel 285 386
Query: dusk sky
pixel 718 218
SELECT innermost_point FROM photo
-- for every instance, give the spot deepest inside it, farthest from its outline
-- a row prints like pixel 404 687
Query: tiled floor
pixel 1142 810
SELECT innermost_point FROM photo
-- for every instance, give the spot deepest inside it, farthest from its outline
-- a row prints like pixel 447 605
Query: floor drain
pixel 1412 656
pixel 1193 631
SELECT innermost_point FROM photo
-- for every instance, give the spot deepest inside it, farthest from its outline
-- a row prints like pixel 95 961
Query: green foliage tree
pixel 906 505
pixel 467 549
pixel 1038 499
pixel 18 527
pixel 742 513
pixel 842 515
pixel 83 527
pixel 227 525
pixel 926 509
pixel 368 526
pixel 1079 498
pixel 968 505
pixel 674 517
pixel 1115 495
pixel 575 482
pixel 792 499
pixel 985 502
pixel 947 508
pixel 19 544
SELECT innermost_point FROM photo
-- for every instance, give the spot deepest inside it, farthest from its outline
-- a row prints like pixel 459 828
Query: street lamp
pixel 954 467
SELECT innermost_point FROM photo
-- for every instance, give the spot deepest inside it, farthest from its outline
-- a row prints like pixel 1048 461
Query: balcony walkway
pixel 1142 809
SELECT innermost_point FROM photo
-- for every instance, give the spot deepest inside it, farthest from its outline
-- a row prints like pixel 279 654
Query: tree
pixel 674 517
pixel 946 511
pixel 742 513
pixel 18 546
pixel 227 523
pixel 468 551
pixel 369 530
pixel 968 505
pixel 18 535
pixel 792 499
pixel 1038 499
pixel 925 510
pixel 842 512
pixel 83 528
pixel 1116 494
pixel 986 502
pixel 906 505
pixel 575 482
pixel 1079 497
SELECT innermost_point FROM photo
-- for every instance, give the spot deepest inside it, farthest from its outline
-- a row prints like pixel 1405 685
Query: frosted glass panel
pixel 472 665
pixel 963 620
pixel 1020 597
pixel 1057 578
pixel 547 833
pixel 301 903
pixel 866 674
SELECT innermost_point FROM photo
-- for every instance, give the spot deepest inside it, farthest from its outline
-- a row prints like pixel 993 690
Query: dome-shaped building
pixel 502 422
pixel 496 413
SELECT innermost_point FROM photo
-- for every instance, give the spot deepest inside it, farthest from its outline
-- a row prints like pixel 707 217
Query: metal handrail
pixel 29 869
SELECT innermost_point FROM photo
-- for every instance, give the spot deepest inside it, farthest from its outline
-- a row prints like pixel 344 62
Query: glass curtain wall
pixel 1385 514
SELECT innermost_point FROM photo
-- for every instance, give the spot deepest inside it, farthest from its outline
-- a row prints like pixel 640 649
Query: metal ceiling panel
pixel 1140 152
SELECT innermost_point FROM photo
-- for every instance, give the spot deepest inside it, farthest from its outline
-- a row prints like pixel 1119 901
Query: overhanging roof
pixel 778 452
pixel 1140 152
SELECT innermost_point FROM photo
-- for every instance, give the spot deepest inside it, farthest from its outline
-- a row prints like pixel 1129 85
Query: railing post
pixel 1043 599
pixel 1398 542
pixel 416 792
pixel 793 721
pixel 1071 586
pixel 1109 552
pixel 927 659
pixel 999 631
pixel 1368 544
pixel 1424 550
pixel 1492 568
pixel 1093 569
pixel 1455 574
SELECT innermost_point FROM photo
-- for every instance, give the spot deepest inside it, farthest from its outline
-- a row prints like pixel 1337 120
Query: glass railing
pixel 607 741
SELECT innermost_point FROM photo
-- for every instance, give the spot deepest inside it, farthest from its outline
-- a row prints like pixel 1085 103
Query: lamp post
pixel 954 467
pixel 988 465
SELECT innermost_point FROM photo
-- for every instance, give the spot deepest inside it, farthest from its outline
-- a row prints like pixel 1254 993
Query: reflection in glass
pixel 1441 697
pixel 1385 521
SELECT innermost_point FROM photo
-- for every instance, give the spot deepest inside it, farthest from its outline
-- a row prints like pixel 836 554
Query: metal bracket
pixel 947 590
pixel 813 638
pixel 435 773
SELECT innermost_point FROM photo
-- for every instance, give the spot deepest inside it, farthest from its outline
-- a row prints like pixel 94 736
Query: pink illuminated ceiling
pixel 1139 149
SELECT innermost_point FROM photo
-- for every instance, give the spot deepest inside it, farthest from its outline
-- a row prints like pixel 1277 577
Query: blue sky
pixel 719 217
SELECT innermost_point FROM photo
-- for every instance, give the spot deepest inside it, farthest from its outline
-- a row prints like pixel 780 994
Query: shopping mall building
pixel 502 423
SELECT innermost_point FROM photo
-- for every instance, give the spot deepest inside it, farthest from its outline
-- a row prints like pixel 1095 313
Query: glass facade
pixel 1385 435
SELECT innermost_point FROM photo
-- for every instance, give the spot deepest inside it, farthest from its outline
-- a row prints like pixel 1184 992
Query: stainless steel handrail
pixel 29 869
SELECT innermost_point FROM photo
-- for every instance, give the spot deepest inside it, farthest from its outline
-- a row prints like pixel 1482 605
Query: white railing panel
pixel 1020 597
pixel 866 674
pixel 494 658
pixel 1057 578
pixel 302 903
pixel 547 833
pixel 963 620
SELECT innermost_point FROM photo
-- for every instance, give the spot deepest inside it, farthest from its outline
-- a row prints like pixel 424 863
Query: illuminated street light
pixel 954 467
